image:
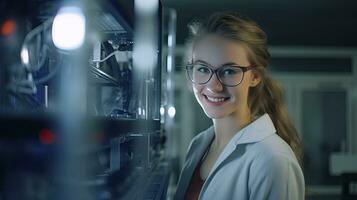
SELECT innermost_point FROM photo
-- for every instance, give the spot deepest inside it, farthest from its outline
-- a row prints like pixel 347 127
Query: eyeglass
pixel 229 75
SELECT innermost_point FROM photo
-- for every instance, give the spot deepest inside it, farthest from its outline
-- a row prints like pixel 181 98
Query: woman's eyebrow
pixel 201 61
pixel 225 64
pixel 230 64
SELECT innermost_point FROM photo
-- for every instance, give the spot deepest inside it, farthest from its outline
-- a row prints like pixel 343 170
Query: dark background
pixel 322 23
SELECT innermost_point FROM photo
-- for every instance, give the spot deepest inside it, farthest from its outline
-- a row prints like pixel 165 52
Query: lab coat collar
pixel 255 131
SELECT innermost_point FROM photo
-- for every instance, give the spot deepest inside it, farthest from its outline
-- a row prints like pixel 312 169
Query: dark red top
pixel 196 184
pixel 194 189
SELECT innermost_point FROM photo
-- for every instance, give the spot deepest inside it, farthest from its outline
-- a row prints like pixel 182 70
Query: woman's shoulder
pixel 273 149
pixel 206 134
pixel 275 166
pixel 201 138
pixel 273 157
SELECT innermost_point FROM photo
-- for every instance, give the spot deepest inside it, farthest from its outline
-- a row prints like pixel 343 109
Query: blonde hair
pixel 267 96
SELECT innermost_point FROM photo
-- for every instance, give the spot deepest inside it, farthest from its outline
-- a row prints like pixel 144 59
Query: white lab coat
pixel 256 164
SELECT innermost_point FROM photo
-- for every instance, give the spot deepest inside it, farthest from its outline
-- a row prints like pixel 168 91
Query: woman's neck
pixel 226 128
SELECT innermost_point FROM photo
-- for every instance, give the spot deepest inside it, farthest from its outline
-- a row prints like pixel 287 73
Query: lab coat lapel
pixel 224 155
pixel 227 151
pixel 197 150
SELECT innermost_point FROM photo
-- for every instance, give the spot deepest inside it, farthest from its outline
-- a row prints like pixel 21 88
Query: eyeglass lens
pixel 228 75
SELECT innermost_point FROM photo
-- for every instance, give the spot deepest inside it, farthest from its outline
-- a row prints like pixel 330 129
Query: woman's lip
pixel 215 96
pixel 215 101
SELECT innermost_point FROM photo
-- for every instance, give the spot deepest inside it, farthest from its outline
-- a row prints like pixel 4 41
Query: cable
pixel 106 58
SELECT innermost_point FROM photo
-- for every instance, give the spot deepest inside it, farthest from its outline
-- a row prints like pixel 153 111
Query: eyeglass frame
pixel 214 71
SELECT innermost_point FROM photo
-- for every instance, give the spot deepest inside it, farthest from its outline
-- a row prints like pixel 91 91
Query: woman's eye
pixel 203 69
pixel 228 72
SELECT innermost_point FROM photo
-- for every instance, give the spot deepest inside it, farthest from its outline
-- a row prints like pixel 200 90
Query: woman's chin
pixel 215 115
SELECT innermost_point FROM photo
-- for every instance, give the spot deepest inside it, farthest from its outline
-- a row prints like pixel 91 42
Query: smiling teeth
pixel 215 99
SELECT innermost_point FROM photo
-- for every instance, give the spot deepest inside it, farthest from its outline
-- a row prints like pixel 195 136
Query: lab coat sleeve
pixel 276 177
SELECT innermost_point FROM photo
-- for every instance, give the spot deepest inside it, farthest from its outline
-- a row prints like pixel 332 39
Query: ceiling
pixel 318 23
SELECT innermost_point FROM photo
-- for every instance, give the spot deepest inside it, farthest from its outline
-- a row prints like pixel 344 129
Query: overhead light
pixel 68 28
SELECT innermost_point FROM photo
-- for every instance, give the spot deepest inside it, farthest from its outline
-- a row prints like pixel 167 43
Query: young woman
pixel 252 151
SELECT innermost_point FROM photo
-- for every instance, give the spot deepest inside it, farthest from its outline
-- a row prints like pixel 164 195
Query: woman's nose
pixel 214 84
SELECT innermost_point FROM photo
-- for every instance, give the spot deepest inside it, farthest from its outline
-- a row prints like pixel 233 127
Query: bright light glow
pixel 169 84
pixel 25 56
pixel 169 63
pixel 68 29
pixel 147 5
pixel 139 111
pixel 169 40
pixel 172 112
pixel 144 55
pixel 162 110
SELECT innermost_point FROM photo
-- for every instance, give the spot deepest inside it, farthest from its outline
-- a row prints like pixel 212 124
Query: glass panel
pixel 323 132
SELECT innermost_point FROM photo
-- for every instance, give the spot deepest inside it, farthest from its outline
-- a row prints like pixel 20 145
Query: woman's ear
pixel 255 78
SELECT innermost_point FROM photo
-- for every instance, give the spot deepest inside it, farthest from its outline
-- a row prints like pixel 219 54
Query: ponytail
pixel 267 97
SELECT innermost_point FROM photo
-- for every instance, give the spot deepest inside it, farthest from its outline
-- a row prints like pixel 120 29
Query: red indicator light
pixel 7 28
pixel 46 136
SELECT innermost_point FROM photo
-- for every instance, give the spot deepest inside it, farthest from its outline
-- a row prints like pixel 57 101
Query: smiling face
pixel 217 100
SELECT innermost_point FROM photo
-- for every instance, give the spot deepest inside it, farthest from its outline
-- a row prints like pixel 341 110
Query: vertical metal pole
pixel 170 87
pixel 46 96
